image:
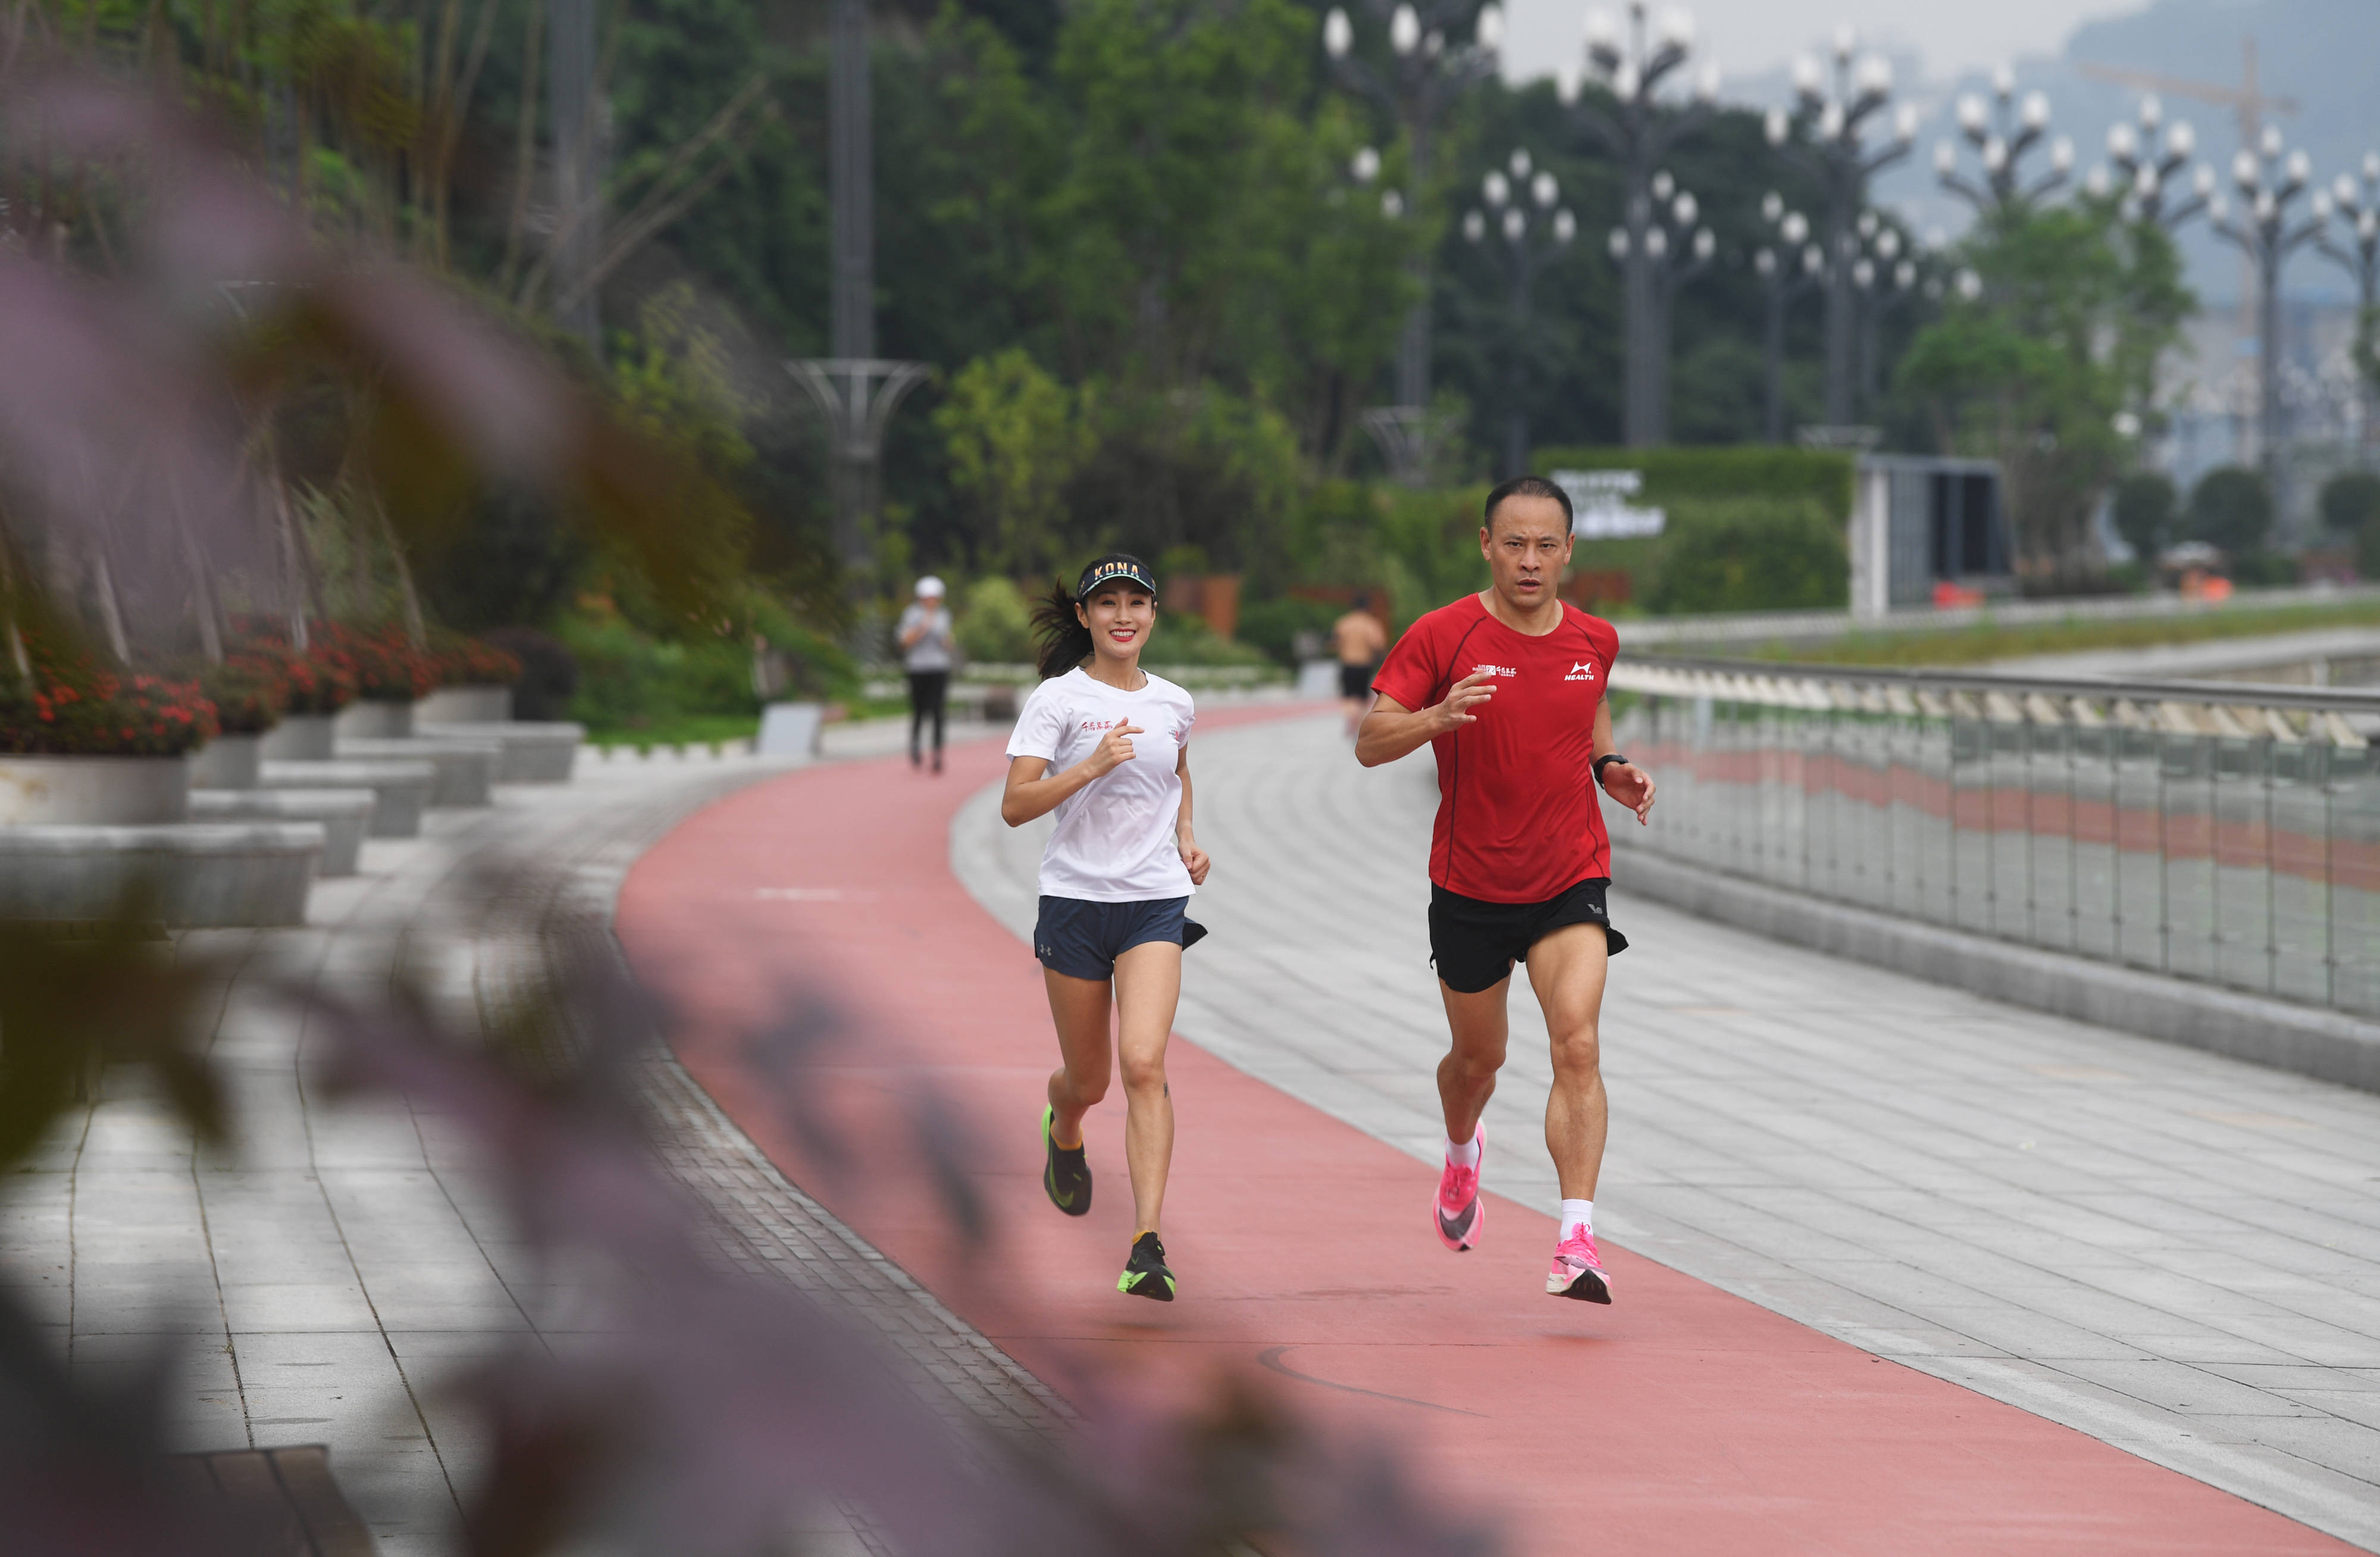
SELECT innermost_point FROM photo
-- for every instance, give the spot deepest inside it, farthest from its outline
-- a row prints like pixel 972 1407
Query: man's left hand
pixel 1631 786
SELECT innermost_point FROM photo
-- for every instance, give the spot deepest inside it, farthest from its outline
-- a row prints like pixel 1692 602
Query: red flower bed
pixel 320 680
pixel 73 708
pixel 466 661
pixel 388 668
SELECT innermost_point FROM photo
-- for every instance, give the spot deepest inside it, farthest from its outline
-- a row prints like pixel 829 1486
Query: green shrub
pixel 628 680
pixel 2145 512
pixel 2367 549
pixel 1182 639
pixel 1272 625
pixel 1751 554
pixel 995 626
pixel 2231 508
pixel 1694 474
pixel 2350 500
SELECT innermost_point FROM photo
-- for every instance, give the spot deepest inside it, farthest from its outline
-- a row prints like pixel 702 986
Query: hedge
pixel 1762 470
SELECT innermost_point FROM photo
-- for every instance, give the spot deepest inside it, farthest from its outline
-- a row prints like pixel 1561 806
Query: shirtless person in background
pixel 1360 640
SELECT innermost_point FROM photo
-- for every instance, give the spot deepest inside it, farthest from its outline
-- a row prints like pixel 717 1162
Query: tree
pixel 2349 500
pixel 2075 307
pixel 2232 509
pixel 2145 502
pixel 1015 437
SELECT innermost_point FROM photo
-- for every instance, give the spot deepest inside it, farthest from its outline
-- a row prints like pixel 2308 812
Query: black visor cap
pixel 1113 570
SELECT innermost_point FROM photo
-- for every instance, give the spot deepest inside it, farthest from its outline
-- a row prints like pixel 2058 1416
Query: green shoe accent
pixel 1145 1275
pixel 1065 1176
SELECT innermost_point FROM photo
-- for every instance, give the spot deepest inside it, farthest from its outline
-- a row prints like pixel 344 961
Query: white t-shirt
pixel 1114 841
pixel 933 650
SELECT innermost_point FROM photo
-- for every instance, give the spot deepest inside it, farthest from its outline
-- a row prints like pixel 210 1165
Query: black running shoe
pixel 1065 1175
pixel 1145 1275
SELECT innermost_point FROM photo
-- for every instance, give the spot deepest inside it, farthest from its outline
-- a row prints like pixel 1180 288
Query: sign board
pixel 1601 508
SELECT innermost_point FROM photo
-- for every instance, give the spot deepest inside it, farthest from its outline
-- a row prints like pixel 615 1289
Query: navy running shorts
pixel 1474 944
pixel 1082 940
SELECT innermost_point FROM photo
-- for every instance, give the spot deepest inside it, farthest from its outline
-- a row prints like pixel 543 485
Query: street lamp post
pixel 1423 76
pixel 2002 132
pixel 2267 234
pixel 856 390
pixel 1886 278
pixel 1525 210
pixel 2358 205
pixel 1669 247
pixel 1823 133
pixel 1639 131
pixel 1787 271
pixel 2145 161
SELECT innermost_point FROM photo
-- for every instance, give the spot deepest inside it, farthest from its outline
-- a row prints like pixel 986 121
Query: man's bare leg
pixel 1566 971
pixel 1467 1078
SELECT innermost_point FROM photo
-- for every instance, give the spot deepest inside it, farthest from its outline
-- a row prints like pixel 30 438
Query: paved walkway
pixel 1683 1420
pixel 329 1281
pixel 2176 1253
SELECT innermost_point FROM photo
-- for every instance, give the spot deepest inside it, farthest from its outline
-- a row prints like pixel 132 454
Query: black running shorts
pixel 1474 944
pixel 1355 681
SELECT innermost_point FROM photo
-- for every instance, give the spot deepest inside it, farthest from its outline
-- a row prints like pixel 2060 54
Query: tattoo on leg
pixel 1166 1088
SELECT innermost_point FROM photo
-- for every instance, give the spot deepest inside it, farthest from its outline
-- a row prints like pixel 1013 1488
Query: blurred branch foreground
pixel 704 1408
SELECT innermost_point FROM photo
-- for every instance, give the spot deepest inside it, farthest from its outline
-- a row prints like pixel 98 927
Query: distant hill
pixel 2323 53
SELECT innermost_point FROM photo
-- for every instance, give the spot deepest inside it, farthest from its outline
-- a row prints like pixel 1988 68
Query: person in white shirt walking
pixel 1104 744
pixel 927 644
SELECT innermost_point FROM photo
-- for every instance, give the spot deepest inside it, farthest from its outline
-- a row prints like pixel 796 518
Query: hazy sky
pixel 1746 36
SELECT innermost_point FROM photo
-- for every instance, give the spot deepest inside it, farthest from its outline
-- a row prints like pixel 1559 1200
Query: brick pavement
pixel 2176 1253
pixel 330 1277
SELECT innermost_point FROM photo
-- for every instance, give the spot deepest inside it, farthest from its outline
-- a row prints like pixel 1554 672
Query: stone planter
pixel 534 752
pixel 464 705
pixel 790 729
pixel 93 791
pixel 194 874
pixel 299 737
pixel 368 720
pixel 227 763
pixel 344 816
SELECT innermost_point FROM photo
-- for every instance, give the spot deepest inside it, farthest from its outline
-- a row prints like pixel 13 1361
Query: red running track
pixel 1679 1421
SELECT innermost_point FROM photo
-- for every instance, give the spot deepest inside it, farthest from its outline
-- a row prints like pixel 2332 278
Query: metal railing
pixel 2212 831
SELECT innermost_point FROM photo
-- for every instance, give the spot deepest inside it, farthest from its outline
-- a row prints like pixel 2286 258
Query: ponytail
pixel 1065 642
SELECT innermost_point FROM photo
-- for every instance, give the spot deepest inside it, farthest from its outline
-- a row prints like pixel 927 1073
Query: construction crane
pixel 2248 100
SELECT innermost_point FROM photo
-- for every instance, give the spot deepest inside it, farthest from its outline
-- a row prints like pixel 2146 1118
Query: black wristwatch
pixel 1601 761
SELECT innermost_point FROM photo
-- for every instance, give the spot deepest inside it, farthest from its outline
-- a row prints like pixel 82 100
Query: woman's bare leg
pixel 1079 1009
pixel 1148 986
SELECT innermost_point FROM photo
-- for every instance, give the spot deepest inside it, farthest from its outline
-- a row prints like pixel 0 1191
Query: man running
pixel 1358 638
pixel 1507 686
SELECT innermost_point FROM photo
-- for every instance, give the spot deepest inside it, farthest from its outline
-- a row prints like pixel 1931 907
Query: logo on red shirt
pixel 1581 670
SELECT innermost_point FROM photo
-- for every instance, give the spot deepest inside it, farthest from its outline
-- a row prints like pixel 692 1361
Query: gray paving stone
pixel 2028 1206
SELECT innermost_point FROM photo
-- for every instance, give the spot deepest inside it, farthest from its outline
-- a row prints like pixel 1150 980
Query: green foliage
pixel 2349 500
pixel 1182 639
pixel 1676 474
pixel 630 680
pixel 1751 554
pixel 2144 515
pixel 1272 625
pixel 2230 509
pixel 995 626
pixel 2077 306
pixel 1015 437
pixel 2367 549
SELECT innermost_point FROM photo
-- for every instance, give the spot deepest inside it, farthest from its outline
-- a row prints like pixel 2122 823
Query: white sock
pixel 1466 1155
pixel 1576 1214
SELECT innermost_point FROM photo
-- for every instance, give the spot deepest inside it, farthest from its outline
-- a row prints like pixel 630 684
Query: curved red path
pixel 1681 1421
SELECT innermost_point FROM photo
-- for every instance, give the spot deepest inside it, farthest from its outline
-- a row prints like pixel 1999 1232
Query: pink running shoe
pixel 1460 1213
pixel 1578 1270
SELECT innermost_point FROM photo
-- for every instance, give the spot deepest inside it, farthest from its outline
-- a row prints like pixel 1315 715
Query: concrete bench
pixel 344 815
pixel 197 874
pixel 532 751
pixel 400 790
pixel 464 771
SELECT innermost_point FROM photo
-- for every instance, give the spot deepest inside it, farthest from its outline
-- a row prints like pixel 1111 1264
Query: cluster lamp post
pixel 1423 74
pixel 2358 204
pixel 1669 247
pixel 2146 162
pixel 1825 132
pixel 1886 278
pixel 854 389
pixel 2266 231
pixel 1638 130
pixel 2002 132
pixel 1788 269
pixel 1524 210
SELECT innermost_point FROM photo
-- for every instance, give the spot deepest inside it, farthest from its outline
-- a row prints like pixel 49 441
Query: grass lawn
pixel 684 729
pixel 1984 640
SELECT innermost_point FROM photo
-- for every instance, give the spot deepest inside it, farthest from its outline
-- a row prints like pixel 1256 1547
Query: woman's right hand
pixel 1114 750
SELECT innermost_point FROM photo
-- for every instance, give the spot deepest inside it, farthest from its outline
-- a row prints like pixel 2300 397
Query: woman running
pixel 1100 741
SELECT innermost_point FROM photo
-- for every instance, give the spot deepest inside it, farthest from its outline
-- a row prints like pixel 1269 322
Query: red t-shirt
pixel 1519 820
